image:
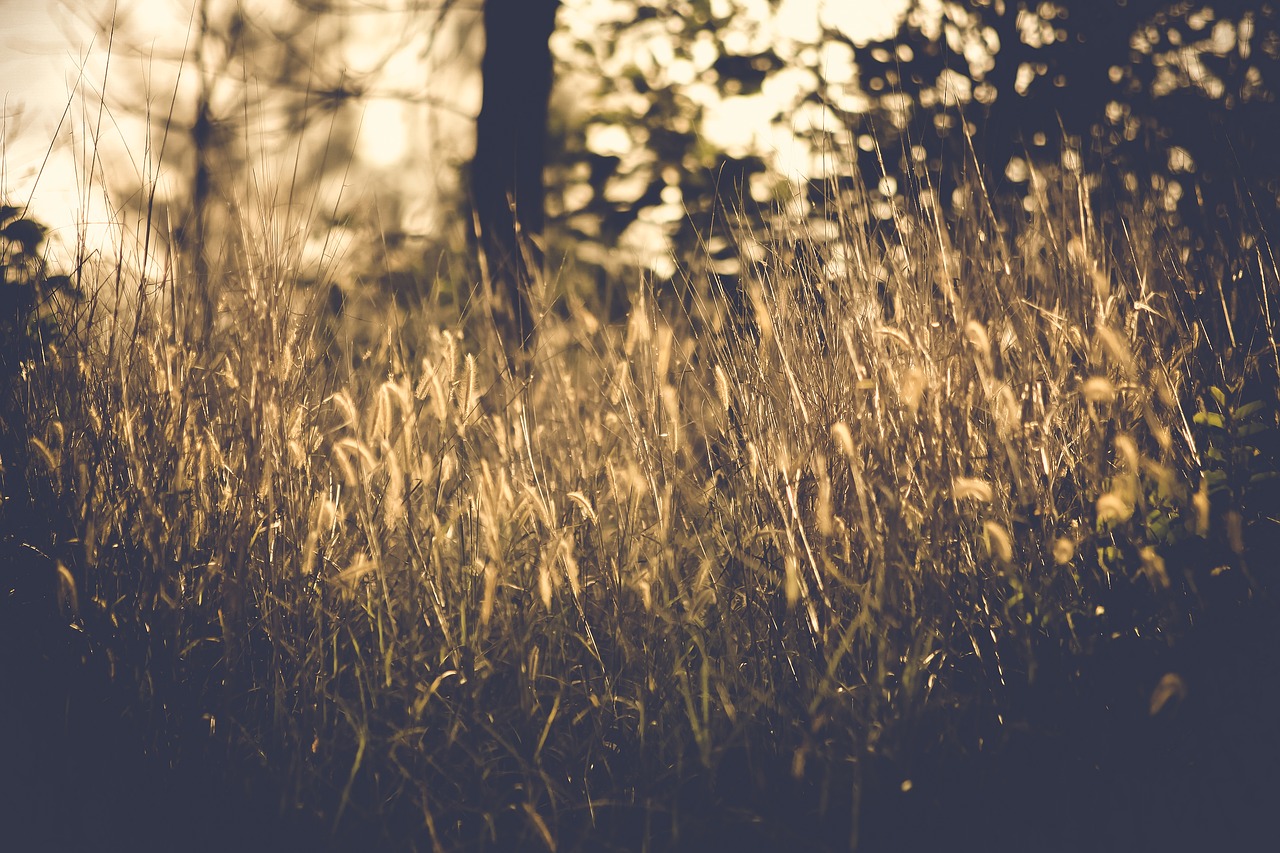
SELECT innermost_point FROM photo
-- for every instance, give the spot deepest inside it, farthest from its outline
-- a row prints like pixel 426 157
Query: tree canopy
pixel 663 112
pixel 1178 97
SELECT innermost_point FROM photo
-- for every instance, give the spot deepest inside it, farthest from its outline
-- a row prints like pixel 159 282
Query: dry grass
pixel 679 578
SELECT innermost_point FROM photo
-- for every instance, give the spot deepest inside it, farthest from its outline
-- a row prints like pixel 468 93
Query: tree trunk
pixel 506 175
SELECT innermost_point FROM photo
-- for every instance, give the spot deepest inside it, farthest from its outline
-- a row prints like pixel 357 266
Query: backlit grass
pixel 738 564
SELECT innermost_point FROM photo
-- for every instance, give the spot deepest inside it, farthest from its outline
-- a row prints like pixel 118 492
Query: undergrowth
pixel 757 562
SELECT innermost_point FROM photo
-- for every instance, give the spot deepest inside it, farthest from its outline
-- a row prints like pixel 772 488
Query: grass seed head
pixel 544 585
pixel 722 388
pixel 1101 286
pixel 467 391
pixel 971 488
pixel 583 503
pixel 976 334
pixel 490 589
pixel 1154 567
pixel 1113 508
pixel 1008 412
pixel 1098 389
pixel 342 402
pixel 393 504
pixel 1200 504
pixel 999 543
pixel 68 598
pixel 360 568
pixel 1115 347
pixel 791 579
pixel 1064 550
pixel 844 438
pixel 1127 452
pixel 911 389
pixel 1169 691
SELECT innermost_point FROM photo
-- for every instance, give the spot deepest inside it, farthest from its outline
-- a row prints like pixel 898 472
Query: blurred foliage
pixel 638 161
pixel 1175 97
pixel 643 164
pixel 251 108
pixel 29 321
pixel 39 312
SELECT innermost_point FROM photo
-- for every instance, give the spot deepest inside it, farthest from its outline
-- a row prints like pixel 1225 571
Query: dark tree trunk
pixel 192 234
pixel 511 150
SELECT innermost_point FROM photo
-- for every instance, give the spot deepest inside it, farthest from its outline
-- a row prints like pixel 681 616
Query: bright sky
pixel 43 46
pixel 39 65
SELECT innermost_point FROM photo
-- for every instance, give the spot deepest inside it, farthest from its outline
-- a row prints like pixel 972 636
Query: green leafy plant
pixel 1241 436
pixel 29 296
pixel 1241 465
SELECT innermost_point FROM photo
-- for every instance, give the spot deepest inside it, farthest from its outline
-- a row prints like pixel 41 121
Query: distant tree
pixel 634 178
pixel 240 90
pixel 511 132
pixel 1182 94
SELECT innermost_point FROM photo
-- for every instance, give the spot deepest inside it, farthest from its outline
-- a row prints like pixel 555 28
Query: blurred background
pixel 352 122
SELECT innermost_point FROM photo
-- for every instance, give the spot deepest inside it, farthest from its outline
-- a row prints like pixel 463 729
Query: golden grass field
pixel 769 567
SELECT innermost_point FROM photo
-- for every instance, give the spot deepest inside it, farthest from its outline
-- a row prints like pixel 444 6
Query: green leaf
pixel 1249 430
pixel 1109 556
pixel 1218 395
pixel 1263 476
pixel 1212 419
pixel 1249 409
pixel 1158 524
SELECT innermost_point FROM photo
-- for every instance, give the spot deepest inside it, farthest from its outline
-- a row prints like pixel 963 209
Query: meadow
pixel 949 531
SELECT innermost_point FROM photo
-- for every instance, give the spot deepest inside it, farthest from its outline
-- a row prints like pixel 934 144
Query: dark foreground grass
pixel 963 536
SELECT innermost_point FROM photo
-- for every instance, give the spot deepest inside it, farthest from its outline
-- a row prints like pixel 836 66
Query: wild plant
pixel 681 565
